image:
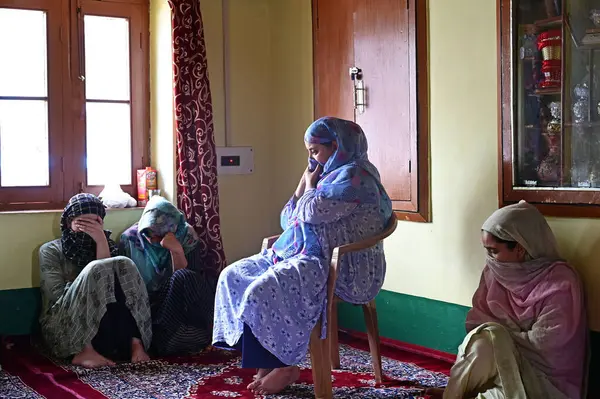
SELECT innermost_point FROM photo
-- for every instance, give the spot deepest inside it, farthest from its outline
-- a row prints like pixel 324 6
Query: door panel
pixel 333 52
pixel 379 37
pixel 381 51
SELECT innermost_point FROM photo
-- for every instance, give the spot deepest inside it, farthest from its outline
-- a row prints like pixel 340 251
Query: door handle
pixel 359 91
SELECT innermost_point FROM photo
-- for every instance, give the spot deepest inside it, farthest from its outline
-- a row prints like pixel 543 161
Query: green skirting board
pixel 414 320
pixel 19 311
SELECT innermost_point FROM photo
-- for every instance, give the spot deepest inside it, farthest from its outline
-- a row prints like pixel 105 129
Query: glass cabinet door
pixel 550 104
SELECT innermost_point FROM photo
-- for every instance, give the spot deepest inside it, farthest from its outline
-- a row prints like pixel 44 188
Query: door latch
pixel 359 92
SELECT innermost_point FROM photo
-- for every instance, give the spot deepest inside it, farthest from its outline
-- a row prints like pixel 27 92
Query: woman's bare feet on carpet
pixel 138 353
pixel 261 373
pixel 91 359
pixel 275 381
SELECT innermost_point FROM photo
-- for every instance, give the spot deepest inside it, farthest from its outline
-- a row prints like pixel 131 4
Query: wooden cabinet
pixel 370 65
pixel 549 105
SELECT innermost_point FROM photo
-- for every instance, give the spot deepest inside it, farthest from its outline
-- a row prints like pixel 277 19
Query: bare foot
pixel 138 354
pixel 276 381
pixel 91 359
pixel 261 373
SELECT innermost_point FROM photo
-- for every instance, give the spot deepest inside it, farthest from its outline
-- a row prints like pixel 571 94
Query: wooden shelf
pixel 550 91
pixel 595 46
pixel 549 22
pixel 582 124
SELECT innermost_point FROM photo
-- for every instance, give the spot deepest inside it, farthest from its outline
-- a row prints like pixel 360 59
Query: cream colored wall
pixel 270 101
pixel 292 105
pixel 162 140
pixel 247 208
pixel 443 260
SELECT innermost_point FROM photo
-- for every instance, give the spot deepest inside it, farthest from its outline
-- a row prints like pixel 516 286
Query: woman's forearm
pixel 179 260
pixel 102 250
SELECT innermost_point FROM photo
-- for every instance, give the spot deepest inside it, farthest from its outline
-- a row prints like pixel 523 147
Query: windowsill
pixel 40 211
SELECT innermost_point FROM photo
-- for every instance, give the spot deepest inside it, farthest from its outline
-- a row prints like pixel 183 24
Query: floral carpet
pixel 28 374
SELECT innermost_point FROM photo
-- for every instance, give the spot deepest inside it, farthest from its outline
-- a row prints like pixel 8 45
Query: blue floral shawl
pixel 347 176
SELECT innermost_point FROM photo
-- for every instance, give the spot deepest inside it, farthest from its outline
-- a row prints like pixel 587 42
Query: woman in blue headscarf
pixel 267 305
pixel 181 286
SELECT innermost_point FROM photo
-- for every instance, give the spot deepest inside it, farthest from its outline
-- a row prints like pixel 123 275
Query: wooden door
pixel 379 37
pixel 381 52
pixel 334 55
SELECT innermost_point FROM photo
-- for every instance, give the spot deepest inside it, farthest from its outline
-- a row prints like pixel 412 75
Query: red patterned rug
pixel 27 374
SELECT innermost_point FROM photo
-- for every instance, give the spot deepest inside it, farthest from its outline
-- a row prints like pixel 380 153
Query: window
pixel 74 99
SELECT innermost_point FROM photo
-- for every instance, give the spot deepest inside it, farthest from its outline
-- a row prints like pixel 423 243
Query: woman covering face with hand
pixel 181 285
pixel 95 306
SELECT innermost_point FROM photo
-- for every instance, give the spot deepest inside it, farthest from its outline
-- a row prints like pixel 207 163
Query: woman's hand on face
pixel 170 243
pixel 301 185
pixel 92 227
pixel 311 178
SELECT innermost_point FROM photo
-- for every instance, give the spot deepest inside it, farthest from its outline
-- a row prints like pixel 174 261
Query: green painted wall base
pixel 414 320
pixel 420 321
pixel 19 311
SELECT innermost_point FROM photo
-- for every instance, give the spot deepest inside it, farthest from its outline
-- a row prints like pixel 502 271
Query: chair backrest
pixel 356 246
pixel 368 242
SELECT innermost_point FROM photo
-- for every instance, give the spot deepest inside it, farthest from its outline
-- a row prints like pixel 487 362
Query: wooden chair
pixel 325 354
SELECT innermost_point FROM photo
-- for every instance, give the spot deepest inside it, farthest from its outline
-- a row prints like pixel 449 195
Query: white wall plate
pixel 235 160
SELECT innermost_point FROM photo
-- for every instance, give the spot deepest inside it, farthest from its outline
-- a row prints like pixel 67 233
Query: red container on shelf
pixel 551 70
pixel 550 38
pixel 550 44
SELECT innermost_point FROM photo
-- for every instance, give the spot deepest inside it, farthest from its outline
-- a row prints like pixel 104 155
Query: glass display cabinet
pixel 549 105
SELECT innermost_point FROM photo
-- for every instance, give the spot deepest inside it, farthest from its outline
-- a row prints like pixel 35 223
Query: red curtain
pixel 197 190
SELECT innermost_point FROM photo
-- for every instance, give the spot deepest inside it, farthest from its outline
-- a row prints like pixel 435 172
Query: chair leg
pixel 334 346
pixel 370 313
pixel 321 364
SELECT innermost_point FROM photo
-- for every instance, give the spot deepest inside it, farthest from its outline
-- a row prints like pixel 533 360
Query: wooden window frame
pixel 418 209
pixel 40 197
pixel 567 202
pixel 66 99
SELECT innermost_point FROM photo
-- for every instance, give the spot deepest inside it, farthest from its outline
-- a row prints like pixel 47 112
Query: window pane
pixel 108 143
pixel 106 58
pixel 23 52
pixel 24 143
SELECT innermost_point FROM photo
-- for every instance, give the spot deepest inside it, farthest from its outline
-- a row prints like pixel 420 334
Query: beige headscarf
pixel 550 335
pixel 524 224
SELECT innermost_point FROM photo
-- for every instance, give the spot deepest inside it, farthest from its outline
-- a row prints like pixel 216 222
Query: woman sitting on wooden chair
pixel 267 305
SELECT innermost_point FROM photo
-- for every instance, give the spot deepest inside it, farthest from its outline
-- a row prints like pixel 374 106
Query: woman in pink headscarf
pixel 528 331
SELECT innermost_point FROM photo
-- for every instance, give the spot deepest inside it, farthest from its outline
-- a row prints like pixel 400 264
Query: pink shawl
pixel 540 301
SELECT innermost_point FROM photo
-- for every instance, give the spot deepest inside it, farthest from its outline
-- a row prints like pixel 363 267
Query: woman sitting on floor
pixel 268 304
pixel 528 331
pixel 95 306
pixel 181 286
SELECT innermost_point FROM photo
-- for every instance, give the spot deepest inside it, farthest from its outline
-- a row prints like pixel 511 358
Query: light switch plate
pixel 235 160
